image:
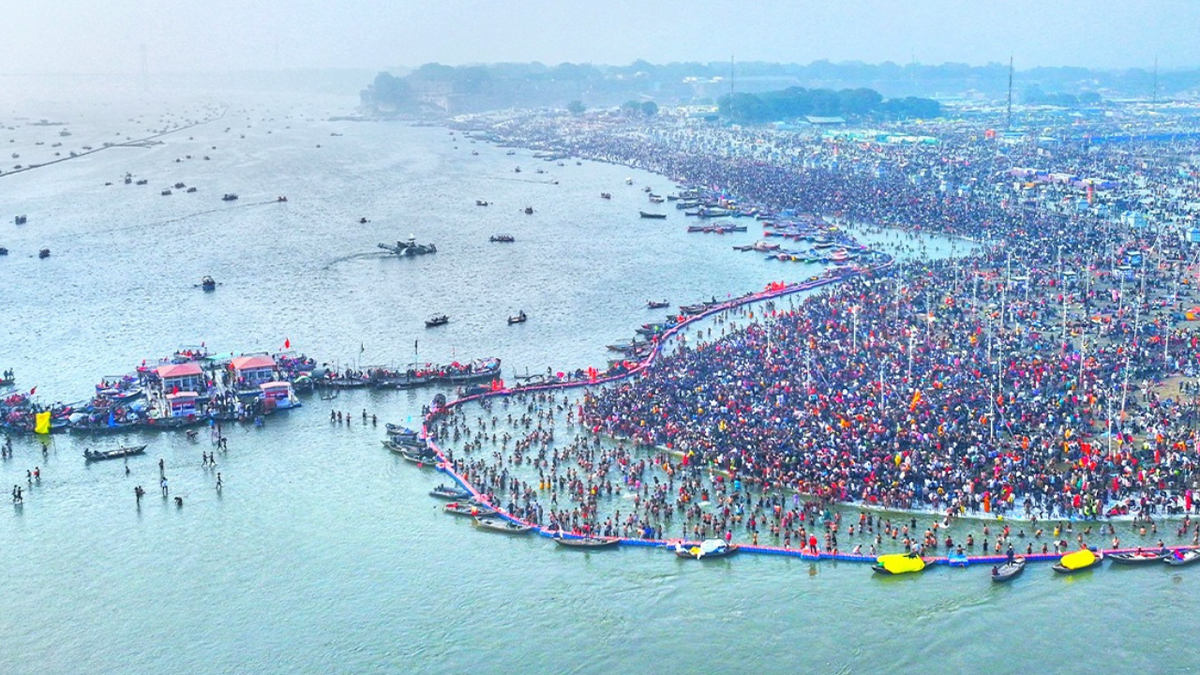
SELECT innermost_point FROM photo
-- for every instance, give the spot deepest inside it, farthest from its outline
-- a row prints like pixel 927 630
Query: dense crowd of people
pixel 1044 376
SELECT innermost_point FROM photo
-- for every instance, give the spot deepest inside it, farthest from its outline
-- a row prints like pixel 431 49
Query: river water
pixel 323 554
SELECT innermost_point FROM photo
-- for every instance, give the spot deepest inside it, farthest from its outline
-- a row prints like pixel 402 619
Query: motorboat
pixel 437 320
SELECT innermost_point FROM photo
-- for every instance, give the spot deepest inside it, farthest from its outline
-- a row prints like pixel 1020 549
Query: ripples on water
pixel 323 553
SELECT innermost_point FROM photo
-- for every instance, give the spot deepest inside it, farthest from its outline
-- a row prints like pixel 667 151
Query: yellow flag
pixel 41 423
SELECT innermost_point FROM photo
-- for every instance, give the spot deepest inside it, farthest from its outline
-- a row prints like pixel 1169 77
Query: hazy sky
pixel 104 36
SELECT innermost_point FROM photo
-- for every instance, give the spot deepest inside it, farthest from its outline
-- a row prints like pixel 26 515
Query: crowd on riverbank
pixel 1023 380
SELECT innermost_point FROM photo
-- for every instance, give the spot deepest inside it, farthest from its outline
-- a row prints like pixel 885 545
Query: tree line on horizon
pixel 795 102
pixel 900 84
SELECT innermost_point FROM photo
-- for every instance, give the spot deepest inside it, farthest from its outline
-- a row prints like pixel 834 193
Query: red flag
pixel 31 391
pixel 287 344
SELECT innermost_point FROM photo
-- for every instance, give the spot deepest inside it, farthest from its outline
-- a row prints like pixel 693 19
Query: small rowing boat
pixel 653 216
pixel 1008 571
pixel 449 492
pixel 586 542
pixel 468 508
pixel 1137 558
pixel 424 460
pixel 128 451
pixel 1181 557
pixel 497 524
pixel 709 548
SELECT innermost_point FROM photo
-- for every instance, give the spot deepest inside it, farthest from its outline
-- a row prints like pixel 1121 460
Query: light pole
pixel 854 329
pixel 911 338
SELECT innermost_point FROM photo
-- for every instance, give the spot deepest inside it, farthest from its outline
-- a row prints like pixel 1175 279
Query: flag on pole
pixel 915 400
pixel 287 344
pixel 362 347
pixel 33 391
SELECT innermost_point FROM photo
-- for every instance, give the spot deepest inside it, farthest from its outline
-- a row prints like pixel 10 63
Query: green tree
pixel 576 107
pixel 649 108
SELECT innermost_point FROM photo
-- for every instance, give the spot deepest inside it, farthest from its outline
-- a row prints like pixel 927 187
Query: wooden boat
pixel 501 238
pixel 401 431
pixel 229 197
pixel 477 371
pixel 519 318
pixel 586 542
pixel 449 492
pixel 437 320
pixel 1137 558
pixel 657 304
pixel 207 283
pixel 44 253
pixel 528 210
pixel 1180 557
pixel 498 524
pixel 655 216
pixel 127 451
pixel 605 195
pixel 403 446
pixel 424 459
pixel 1077 561
pixel 1009 570
pixel 709 548
pixel 469 508
pixel 649 329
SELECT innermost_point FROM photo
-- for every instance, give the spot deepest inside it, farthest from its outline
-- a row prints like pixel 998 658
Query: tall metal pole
pixel 1008 121
pixel 1154 96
